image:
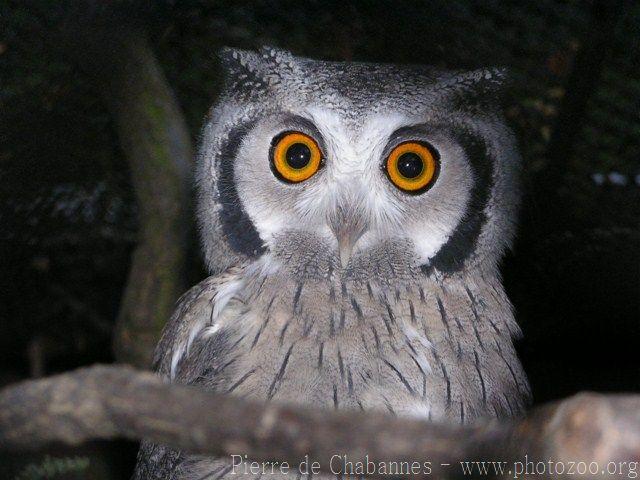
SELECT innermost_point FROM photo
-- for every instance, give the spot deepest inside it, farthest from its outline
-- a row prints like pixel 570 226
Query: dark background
pixel 68 212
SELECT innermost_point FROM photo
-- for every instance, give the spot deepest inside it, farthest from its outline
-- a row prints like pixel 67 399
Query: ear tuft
pixel 478 90
pixel 243 69
pixel 499 77
pixel 276 55
pixel 279 63
pixel 249 70
pixel 486 79
pixel 235 60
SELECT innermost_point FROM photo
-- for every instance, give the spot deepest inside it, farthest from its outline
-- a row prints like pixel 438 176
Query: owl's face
pixel 348 165
pixel 352 185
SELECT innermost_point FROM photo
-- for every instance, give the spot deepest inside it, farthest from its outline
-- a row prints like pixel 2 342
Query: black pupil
pixel 410 165
pixel 298 155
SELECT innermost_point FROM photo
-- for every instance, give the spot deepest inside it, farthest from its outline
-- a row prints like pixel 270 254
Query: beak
pixel 348 225
pixel 346 241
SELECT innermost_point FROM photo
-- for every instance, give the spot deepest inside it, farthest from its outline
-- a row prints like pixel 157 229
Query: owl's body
pixel 350 289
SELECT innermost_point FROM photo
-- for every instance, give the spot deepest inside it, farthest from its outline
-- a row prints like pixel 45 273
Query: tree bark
pixel 108 43
pixel 105 402
pixel 155 140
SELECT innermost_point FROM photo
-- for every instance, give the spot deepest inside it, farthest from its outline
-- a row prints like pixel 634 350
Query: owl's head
pixel 325 167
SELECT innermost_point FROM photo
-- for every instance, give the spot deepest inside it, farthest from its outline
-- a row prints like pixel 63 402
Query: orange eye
pixel 412 167
pixel 295 157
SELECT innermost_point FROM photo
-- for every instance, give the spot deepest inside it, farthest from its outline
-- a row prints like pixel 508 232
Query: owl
pixel 352 216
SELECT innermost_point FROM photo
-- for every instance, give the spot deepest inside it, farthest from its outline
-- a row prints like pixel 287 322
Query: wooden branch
pixel 106 402
pixel 107 41
pixel 154 138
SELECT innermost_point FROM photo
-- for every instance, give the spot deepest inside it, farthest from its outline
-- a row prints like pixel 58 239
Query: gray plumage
pixel 413 318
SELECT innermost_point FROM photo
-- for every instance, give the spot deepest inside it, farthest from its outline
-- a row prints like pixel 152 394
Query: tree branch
pixel 106 402
pixel 155 140
pixel 107 41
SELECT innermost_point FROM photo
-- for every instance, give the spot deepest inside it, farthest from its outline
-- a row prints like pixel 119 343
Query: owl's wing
pixel 198 309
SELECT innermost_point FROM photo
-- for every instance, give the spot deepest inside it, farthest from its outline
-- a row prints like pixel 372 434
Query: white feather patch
pixel 210 326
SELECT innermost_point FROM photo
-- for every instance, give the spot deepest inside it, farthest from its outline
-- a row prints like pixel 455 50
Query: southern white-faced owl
pixel 353 216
